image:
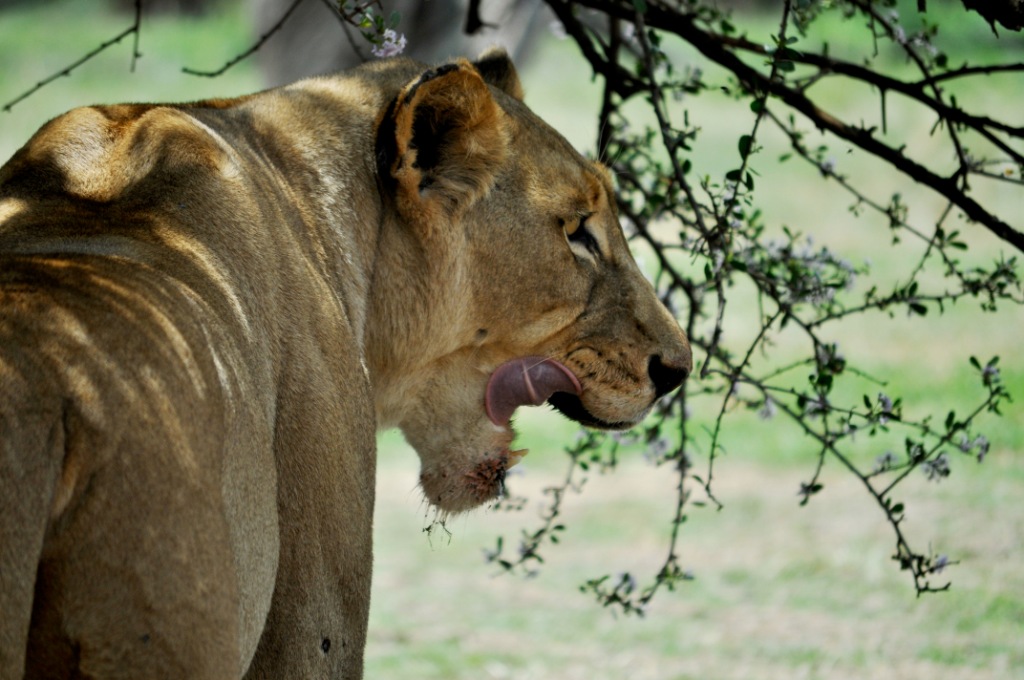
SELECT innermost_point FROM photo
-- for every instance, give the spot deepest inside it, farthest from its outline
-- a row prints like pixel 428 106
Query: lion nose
pixel 667 375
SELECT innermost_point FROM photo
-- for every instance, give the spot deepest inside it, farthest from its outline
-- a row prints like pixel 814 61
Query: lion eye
pixel 580 234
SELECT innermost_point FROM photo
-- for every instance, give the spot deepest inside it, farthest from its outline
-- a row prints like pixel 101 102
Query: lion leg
pixel 31 448
pixel 326 462
pixel 136 578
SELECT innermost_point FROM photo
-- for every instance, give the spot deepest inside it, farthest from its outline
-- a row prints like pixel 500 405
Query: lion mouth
pixel 526 381
pixel 533 380
pixel 570 406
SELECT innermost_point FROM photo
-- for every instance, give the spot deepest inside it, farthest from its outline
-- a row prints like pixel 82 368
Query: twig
pixel 346 24
pixel 912 54
pixel 671 145
pixel 249 52
pixel 604 132
pixel 733 377
pixel 66 71
pixel 138 30
pixel 977 70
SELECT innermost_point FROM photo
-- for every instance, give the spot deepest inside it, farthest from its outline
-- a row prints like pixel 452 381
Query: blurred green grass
pixel 781 591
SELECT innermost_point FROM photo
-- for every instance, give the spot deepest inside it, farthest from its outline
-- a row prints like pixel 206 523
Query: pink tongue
pixel 526 381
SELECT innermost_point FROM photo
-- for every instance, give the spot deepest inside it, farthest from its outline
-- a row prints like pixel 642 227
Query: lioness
pixel 207 310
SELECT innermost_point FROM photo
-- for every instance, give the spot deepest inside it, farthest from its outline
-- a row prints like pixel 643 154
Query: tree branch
pixel 707 44
pixel 625 84
pixel 884 82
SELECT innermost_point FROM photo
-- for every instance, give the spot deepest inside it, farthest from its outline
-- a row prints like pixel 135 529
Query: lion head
pixel 502 278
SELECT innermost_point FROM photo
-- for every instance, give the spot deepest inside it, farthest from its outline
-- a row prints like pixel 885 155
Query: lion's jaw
pixel 463 455
pixel 461 426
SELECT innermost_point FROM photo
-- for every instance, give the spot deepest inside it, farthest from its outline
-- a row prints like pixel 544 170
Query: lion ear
pixel 448 137
pixel 497 69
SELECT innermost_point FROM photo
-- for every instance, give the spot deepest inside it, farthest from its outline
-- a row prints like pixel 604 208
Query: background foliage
pixel 716 252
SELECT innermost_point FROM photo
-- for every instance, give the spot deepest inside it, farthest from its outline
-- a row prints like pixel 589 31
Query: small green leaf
pixel 744 145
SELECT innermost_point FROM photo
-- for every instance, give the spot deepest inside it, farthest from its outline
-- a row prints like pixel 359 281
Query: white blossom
pixel 825 354
pixel 885 461
pixel 729 193
pixel 658 449
pixel 391 45
pixel 920 42
pixel 981 441
pixel 815 407
pixel 990 373
pixel 627 438
pixel 886 403
pixel 938 468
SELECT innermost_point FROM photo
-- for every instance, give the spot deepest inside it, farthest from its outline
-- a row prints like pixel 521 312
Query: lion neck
pixel 417 316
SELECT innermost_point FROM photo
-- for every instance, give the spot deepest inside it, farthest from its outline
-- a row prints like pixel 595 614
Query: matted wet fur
pixel 206 312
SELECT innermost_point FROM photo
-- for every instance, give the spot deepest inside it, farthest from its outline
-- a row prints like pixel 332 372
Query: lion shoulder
pixel 106 153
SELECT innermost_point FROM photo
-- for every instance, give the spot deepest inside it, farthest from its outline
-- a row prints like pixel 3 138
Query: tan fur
pixel 207 310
